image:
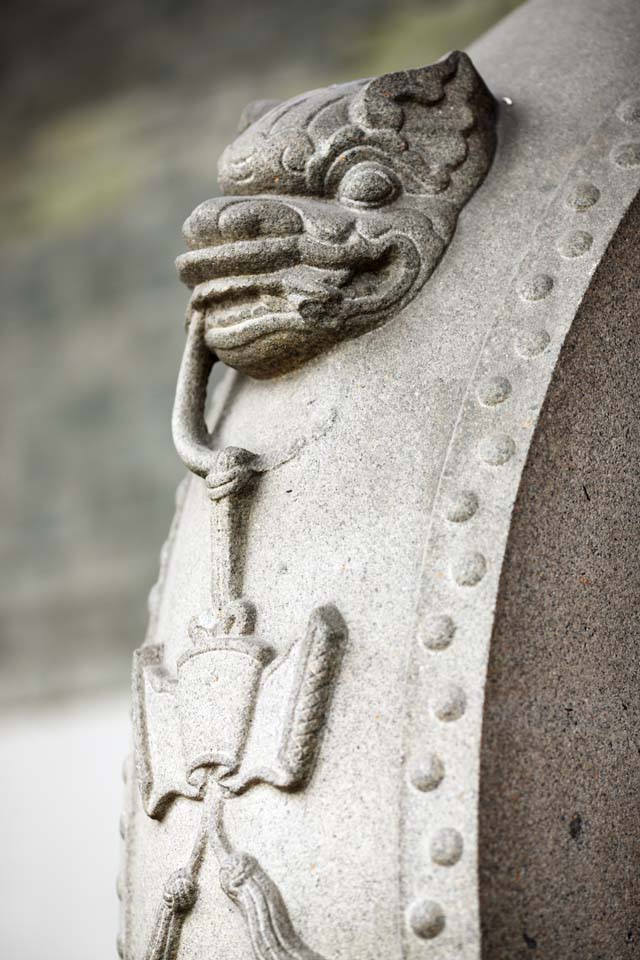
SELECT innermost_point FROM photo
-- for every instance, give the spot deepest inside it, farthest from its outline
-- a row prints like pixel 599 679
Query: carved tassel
pixel 178 897
pixel 270 929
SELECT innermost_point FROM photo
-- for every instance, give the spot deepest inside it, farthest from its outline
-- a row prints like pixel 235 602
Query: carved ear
pixel 433 113
pixel 383 101
pixel 253 111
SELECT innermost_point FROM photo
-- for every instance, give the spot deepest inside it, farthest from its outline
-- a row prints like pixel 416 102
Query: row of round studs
pixel 425 916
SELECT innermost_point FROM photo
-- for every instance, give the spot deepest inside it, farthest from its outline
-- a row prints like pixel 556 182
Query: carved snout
pixel 221 221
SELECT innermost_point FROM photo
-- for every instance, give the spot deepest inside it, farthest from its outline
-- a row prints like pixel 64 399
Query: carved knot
pixel 232 472
pixel 235 871
pixel 180 891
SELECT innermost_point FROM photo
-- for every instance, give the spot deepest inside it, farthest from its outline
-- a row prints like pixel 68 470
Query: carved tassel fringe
pixel 272 934
pixel 179 895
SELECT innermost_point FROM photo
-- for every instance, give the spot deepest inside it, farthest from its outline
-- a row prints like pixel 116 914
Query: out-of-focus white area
pixel 59 808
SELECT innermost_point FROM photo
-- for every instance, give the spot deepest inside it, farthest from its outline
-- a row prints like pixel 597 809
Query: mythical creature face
pixel 338 206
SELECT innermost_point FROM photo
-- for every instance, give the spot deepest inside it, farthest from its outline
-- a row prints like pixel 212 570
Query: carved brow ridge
pixel 294 103
pixel 283 109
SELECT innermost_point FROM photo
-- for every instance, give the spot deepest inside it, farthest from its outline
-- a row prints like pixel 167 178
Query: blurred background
pixel 113 116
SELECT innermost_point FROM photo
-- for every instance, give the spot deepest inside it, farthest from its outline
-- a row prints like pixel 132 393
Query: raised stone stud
pixel 428 774
pixel 462 506
pixel 437 631
pixel 583 195
pixel 450 703
pixel 493 391
pixel 446 847
pixel 629 110
pixel 469 569
pixel 497 449
pixel 426 919
pixel 536 287
pixel 531 343
pixel 626 155
pixel 575 244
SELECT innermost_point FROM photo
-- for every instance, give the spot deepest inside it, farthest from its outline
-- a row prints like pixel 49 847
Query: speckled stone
pixel 387 467
pixel 560 772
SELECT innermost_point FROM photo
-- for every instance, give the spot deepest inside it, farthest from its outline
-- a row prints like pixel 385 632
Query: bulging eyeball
pixel 369 185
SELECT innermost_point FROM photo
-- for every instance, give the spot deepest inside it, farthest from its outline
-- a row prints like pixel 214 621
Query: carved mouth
pixel 240 310
pixel 290 297
pixel 240 330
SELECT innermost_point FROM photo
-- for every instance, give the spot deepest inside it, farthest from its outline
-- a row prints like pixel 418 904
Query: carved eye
pixel 369 185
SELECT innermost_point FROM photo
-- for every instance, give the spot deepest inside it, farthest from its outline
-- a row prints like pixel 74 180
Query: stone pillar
pixel 420 475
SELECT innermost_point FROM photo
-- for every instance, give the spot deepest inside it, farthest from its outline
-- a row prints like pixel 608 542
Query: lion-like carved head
pixel 338 205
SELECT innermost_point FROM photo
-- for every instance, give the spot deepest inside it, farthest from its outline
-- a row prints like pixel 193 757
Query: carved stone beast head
pixel 338 205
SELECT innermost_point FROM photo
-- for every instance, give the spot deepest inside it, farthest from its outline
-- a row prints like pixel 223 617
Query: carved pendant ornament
pixel 339 205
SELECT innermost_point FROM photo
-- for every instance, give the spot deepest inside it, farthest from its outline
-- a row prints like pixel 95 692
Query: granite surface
pixel 388 470
pixel 560 776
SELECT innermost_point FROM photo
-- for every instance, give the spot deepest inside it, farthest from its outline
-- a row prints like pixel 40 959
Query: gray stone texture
pixel 342 819
pixel 110 143
pixel 560 776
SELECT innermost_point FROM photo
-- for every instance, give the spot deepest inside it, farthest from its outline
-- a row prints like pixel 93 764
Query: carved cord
pixel 179 895
pixel 252 890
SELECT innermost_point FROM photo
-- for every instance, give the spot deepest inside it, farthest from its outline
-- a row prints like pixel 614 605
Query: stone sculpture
pixel 308 702
pixel 359 189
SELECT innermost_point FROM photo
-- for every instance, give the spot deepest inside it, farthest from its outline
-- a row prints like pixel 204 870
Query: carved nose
pixel 249 219
pixel 218 221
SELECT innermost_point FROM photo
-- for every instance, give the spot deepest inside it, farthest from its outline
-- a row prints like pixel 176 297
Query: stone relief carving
pixel 343 201
pixel 339 205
